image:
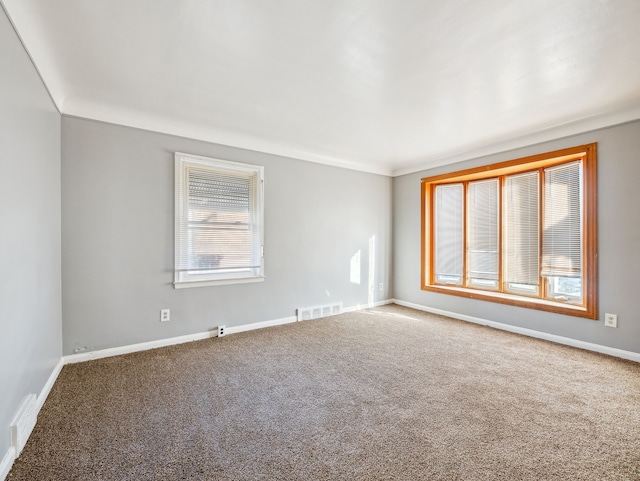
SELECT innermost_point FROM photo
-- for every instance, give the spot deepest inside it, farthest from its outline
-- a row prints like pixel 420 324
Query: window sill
pixel 217 282
pixel 515 300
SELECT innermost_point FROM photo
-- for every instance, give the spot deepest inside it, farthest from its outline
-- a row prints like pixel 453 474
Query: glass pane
pixel 521 202
pixel 218 220
pixel 445 279
pixel 568 289
pixel 449 232
pixel 562 238
pixel 482 233
pixel 524 289
pixel 484 283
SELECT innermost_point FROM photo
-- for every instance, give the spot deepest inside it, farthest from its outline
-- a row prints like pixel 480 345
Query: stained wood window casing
pixel 529 232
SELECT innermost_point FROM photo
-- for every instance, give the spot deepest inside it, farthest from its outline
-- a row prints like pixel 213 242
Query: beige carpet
pixel 389 393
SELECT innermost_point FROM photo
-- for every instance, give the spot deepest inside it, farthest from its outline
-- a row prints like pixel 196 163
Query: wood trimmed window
pixel 521 232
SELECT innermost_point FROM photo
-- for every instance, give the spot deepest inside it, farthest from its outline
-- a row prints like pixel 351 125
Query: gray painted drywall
pixel 30 309
pixel 118 221
pixel 618 239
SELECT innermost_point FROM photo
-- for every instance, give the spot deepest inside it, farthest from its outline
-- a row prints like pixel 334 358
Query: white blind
pixel 219 220
pixel 562 234
pixel 449 230
pixel 483 233
pixel 522 229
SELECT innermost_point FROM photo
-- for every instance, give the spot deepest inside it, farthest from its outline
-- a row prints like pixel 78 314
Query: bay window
pixel 520 232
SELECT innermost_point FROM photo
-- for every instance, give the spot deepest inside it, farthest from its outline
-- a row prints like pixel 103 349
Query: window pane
pixel 218 226
pixel 568 289
pixel 521 205
pixel 562 236
pixel 449 230
pixel 483 234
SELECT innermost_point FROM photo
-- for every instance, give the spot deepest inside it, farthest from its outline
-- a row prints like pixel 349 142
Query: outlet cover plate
pixel 611 320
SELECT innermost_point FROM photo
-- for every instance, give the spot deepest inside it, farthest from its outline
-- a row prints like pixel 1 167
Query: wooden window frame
pixel 587 154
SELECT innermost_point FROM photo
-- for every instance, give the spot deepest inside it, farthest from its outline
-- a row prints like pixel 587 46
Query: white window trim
pixel 182 161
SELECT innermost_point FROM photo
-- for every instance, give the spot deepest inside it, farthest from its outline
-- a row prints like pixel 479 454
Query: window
pixel 521 232
pixel 219 222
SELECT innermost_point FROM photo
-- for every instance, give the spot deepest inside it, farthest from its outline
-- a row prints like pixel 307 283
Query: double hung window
pixel 521 232
pixel 219 222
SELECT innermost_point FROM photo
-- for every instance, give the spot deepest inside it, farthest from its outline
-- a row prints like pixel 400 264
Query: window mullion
pixel 465 244
pixel 432 235
pixel 542 292
pixel 500 224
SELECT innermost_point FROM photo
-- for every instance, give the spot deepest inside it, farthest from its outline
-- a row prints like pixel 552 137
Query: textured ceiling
pixel 377 85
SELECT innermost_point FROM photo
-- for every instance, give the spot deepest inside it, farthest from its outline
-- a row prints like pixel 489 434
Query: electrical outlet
pixel 221 331
pixel 611 320
pixel 165 315
pixel 380 286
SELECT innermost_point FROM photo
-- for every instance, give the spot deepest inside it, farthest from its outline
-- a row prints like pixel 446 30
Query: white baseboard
pixel 7 462
pixel 143 346
pixel 369 305
pixel 589 346
pixel 49 384
pixel 170 341
pixel 10 456
pixel 260 325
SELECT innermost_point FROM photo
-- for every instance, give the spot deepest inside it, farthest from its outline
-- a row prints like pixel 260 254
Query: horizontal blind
pixel 562 235
pixel 522 229
pixel 220 229
pixel 483 233
pixel 449 233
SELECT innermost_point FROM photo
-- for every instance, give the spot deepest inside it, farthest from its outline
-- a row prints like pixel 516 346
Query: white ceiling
pixel 386 86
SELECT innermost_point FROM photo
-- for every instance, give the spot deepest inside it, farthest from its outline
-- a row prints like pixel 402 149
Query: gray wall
pixel 618 237
pixel 30 313
pixel 117 225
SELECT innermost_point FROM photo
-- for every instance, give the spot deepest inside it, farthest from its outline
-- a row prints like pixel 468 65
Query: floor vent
pixel 316 312
pixel 23 423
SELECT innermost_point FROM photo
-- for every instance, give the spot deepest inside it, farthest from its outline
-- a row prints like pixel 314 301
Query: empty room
pixel 319 240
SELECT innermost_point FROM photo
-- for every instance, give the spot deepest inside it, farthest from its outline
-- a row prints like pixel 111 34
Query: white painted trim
pixel 10 456
pixel 7 462
pixel 260 325
pixel 589 346
pixel 75 107
pixel 217 282
pixel 42 397
pixel 142 346
pixel 182 275
pixel 359 307
pixel 552 133
pixel 85 109
pixel 55 99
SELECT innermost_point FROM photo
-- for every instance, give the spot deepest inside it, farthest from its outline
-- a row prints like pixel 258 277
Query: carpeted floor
pixel 384 394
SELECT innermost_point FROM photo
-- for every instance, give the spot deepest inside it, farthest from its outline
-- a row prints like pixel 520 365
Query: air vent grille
pixel 316 312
